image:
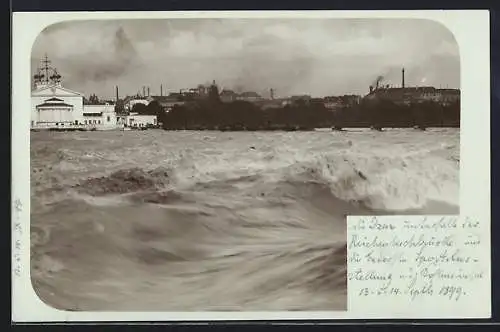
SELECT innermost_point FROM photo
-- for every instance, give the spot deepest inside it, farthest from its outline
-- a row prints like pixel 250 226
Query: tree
pixel 120 107
pixel 213 94
pixel 139 108
pixel 93 100
pixel 154 108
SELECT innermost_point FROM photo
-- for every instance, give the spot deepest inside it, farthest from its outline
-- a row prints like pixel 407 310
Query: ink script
pixel 416 264
pixel 17 235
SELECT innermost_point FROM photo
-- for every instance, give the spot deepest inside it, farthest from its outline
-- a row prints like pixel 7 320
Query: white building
pixel 100 117
pixel 134 120
pixel 56 107
pixel 53 106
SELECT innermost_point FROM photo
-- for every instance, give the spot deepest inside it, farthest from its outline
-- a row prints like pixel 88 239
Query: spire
pixel 45 68
pixel 46 74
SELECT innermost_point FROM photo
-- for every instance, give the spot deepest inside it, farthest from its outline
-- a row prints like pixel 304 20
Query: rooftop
pixel 250 94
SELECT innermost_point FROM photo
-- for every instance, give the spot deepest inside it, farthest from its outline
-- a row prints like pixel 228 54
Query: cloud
pixel 315 56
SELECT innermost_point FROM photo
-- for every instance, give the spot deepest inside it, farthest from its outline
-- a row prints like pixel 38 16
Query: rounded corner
pixel 443 26
pixel 43 301
pixel 44 30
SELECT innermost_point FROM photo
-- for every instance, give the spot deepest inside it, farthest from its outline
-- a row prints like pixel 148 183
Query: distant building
pixel 410 95
pixel 449 96
pixel 249 96
pixel 203 90
pixel 100 117
pixel 337 102
pixel 270 103
pixel 333 103
pixel 135 120
pixel 300 99
pixel 228 96
pixel 413 95
pixel 167 102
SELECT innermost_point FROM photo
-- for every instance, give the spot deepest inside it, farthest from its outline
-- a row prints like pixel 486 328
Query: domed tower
pixel 46 75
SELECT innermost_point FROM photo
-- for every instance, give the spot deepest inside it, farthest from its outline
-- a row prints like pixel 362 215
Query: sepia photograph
pixel 191 165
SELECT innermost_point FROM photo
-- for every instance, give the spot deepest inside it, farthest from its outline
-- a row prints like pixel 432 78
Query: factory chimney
pixel 272 93
pixel 117 96
pixel 161 89
pixel 148 91
pixel 403 78
pixel 143 91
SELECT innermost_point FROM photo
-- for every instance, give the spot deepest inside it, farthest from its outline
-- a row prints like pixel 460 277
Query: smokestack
pixel 403 78
pixel 148 91
pixel 272 93
pixel 117 96
pixel 161 89
pixel 143 91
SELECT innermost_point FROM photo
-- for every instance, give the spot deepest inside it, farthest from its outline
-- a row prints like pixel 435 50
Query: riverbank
pixel 296 128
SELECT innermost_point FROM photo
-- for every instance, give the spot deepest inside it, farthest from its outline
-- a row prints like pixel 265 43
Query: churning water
pixel 203 221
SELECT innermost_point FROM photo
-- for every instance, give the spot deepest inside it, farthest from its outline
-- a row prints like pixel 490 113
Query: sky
pixel 319 57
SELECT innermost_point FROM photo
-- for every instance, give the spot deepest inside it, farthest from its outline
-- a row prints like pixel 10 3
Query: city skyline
pixel 318 57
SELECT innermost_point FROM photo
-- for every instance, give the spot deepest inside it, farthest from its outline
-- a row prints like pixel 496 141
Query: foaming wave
pixel 125 181
pixel 388 182
pixel 391 183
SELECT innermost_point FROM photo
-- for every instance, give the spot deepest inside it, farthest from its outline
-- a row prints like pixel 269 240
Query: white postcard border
pixel 471 30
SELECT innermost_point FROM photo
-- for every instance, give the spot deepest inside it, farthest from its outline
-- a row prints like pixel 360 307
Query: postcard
pixel 200 166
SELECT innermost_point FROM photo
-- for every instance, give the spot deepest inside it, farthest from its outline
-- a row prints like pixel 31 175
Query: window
pixel 32 123
pixel 76 122
pixel 108 118
pixel 99 121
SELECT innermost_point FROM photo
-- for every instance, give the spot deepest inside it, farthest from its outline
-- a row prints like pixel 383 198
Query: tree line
pixel 241 115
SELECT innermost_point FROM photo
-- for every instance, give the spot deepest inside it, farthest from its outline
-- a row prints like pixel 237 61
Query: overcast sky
pixel 294 56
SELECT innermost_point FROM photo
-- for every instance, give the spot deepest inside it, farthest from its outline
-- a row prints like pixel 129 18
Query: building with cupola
pixel 56 107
